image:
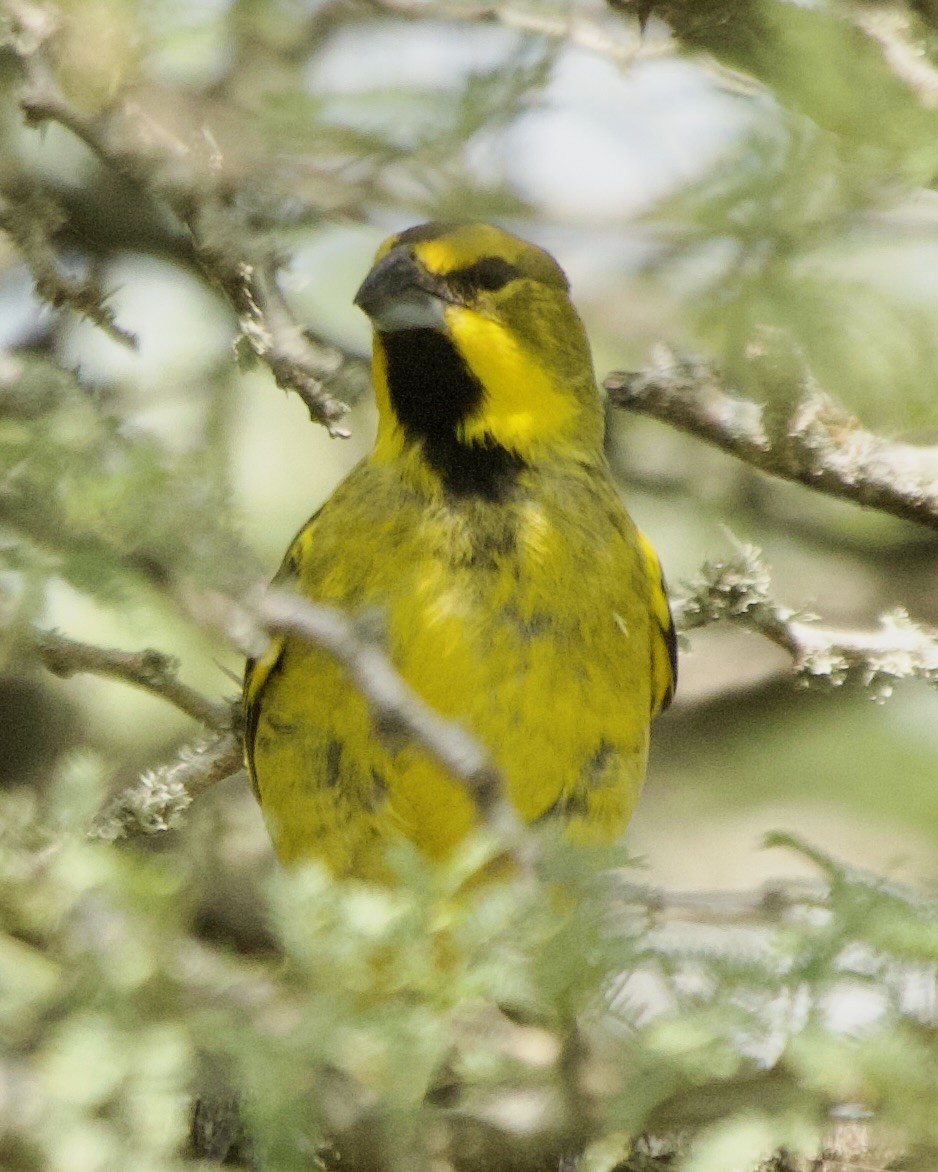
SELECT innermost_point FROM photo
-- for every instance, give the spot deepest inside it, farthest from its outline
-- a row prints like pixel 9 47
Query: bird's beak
pixel 398 294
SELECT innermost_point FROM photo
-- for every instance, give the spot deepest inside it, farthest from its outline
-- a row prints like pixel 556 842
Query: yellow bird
pixel 485 530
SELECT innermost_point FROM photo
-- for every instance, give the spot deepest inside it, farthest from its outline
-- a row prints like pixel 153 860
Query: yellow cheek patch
pixel 522 408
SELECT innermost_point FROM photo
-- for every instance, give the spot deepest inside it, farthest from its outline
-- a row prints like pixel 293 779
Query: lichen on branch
pixel 737 590
pixel 819 445
pixel 157 800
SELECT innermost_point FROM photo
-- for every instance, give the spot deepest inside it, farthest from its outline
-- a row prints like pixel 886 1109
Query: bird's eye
pixel 489 273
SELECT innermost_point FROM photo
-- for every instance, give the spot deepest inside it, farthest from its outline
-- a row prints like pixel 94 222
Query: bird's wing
pixel 664 636
pixel 258 671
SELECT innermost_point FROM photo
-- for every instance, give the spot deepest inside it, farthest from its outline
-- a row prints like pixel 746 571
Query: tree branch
pixel 274 335
pixel 242 269
pixel 156 801
pixel 737 590
pixel 31 219
pixel 150 670
pixel 819 446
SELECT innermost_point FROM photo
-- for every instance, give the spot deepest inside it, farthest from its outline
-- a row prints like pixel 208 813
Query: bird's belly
pixel 561 706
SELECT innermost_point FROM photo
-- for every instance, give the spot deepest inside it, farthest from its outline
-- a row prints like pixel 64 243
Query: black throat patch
pixel 432 391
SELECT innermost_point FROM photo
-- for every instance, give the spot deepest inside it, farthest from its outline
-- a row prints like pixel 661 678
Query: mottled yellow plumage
pixel 485 536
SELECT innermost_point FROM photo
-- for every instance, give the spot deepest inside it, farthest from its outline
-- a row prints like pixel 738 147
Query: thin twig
pixel 820 446
pixel 150 670
pixel 773 901
pixel 268 325
pixel 737 589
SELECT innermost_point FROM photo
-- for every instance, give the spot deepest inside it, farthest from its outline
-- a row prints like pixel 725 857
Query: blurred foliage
pixel 777 200
pixel 772 235
pixel 90 504
pixel 429 1025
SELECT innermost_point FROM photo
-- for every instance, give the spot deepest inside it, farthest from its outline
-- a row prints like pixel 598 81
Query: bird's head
pixel 478 349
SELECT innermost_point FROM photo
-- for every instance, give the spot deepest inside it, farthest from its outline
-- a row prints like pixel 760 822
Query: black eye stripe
pixel 490 273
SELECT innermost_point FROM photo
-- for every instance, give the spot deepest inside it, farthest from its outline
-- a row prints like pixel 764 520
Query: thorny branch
pixel 156 800
pixel 774 900
pixel 820 446
pixel 244 269
pixel 698 26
